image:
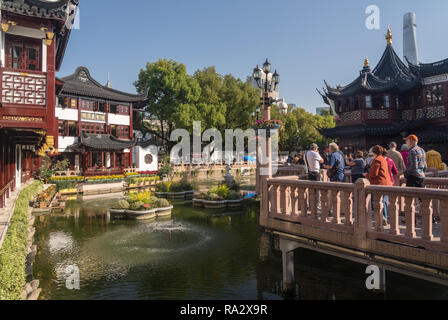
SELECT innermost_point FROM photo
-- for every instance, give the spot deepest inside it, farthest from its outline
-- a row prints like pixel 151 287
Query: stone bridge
pixel 345 220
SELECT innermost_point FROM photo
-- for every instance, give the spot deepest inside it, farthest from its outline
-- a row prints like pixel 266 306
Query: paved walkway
pixel 6 213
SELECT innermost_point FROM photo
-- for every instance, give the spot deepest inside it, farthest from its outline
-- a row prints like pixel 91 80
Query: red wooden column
pixel 12 165
pixel 85 162
pixel 2 164
pixel 52 124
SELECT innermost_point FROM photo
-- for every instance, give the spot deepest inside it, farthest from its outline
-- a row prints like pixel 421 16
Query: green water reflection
pixel 194 255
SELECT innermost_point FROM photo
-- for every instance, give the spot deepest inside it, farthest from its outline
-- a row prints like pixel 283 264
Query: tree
pixel 172 95
pixel 211 108
pixel 300 129
pixel 241 100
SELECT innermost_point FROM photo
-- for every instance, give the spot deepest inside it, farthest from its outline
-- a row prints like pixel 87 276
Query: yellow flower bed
pixel 132 174
pixel 67 178
pixel 102 178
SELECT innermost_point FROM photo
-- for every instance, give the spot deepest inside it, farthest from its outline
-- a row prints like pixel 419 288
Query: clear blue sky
pixel 307 41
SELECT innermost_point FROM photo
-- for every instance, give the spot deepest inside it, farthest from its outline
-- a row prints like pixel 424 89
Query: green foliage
pixel 213 196
pixel 45 173
pixel 176 99
pixel 170 186
pixel 233 195
pixel 144 197
pixel 14 249
pixel 221 190
pixel 166 170
pixel 172 94
pixel 307 124
pixel 122 205
pixel 62 165
pixel 136 205
pixel 63 185
pixel 195 173
pixel 160 203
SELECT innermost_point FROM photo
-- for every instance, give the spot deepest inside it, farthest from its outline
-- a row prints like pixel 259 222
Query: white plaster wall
pixel 119 119
pixel 64 142
pixel 67 114
pixel 139 158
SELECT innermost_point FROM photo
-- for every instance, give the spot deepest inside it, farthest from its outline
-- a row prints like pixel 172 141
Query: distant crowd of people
pixel 381 166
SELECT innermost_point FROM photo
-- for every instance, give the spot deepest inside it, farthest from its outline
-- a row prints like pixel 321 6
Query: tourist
pixel 434 159
pixel 405 153
pixel 397 158
pixel 369 159
pixel 416 167
pixel 296 160
pixel 336 164
pixel 326 156
pixel 393 171
pixel 379 175
pixel 357 166
pixel 312 163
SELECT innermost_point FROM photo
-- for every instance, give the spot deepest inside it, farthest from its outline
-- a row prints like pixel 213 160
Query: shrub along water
pixel 14 250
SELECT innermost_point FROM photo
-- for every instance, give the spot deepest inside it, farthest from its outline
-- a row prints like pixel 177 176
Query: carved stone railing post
pixel 282 199
pixel 426 212
pixel 347 207
pixel 444 220
pixel 294 201
pixel 377 211
pixel 410 217
pixel 303 206
pixel 274 198
pixel 360 197
pixel 313 202
pixel 324 204
pixel 394 215
pixel 336 204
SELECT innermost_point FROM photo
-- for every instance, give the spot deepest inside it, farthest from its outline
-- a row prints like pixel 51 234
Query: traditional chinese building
pixel 391 101
pixel 34 35
pixel 95 125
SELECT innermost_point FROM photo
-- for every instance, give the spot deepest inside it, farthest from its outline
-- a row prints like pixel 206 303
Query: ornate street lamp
pixel 268 82
pixel 267 67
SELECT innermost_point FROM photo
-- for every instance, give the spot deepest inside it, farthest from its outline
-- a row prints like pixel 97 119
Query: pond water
pixel 197 254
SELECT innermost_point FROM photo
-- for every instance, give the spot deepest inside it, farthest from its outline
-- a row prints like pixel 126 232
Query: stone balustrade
pixel 346 208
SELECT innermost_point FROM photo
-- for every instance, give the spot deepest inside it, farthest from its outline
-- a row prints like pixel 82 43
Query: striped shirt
pixel 416 163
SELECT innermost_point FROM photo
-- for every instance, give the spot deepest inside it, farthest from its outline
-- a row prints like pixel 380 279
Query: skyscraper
pixel 410 48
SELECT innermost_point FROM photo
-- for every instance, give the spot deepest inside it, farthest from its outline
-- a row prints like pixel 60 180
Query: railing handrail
pixel 312 184
pixel 436 194
pixel 6 187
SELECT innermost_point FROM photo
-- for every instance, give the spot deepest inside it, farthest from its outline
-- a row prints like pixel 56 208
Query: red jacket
pixel 379 172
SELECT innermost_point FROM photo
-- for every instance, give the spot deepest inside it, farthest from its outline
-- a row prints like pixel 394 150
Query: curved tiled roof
pixel 429 69
pixel 81 83
pixel 36 8
pixel 390 74
pixel 103 142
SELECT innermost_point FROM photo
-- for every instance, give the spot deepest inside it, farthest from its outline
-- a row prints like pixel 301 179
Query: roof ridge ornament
pixel 366 62
pixel 366 68
pixel 389 36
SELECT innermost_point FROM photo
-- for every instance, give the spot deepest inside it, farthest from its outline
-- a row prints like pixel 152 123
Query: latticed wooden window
pixel 23 53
